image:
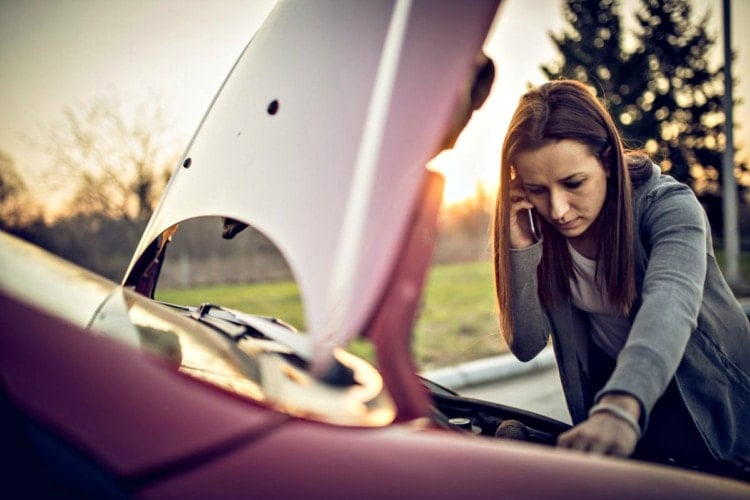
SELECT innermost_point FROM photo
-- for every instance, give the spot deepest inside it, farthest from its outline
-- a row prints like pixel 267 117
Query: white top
pixel 610 326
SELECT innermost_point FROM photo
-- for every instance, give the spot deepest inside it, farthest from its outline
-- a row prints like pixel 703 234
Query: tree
pixel 17 208
pixel 118 163
pixel 683 96
pixel 593 51
pixel 661 91
pixel 112 165
pixel 463 228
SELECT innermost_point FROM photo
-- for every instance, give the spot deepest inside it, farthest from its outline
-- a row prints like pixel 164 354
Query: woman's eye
pixel 573 184
pixel 534 190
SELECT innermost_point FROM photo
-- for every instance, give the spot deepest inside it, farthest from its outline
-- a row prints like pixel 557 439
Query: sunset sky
pixel 55 53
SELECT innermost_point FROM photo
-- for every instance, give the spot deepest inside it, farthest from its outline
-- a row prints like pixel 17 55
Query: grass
pixel 456 320
pixel 278 298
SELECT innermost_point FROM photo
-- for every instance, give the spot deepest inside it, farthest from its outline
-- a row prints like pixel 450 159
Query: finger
pixel 617 434
pixel 588 444
pixel 600 435
pixel 522 204
pixel 517 194
pixel 572 440
pixel 599 447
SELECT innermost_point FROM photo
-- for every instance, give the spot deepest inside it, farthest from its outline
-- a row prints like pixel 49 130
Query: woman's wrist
pixel 621 405
pixel 625 401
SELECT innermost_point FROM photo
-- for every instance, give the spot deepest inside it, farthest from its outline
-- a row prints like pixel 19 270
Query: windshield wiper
pixel 273 329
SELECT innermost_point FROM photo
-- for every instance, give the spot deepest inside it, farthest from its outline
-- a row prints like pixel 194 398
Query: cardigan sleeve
pixel 673 229
pixel 532 327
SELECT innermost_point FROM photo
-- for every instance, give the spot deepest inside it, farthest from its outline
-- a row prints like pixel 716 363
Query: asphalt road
pixel 538 391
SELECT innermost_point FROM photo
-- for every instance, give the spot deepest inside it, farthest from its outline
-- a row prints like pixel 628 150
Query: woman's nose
pixel 558 205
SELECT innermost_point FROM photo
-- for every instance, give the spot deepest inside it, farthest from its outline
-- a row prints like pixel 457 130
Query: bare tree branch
pixel 117 162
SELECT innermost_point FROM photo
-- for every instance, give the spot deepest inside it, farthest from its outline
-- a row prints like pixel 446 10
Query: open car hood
pixel 319 138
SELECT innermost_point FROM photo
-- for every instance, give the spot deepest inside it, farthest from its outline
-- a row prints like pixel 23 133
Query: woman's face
pixel 566 183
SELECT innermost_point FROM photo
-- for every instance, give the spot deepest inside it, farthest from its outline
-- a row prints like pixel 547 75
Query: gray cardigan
pixel 686 324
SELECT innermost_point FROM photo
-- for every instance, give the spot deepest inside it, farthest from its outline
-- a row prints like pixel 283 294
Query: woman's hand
pixel 604 432
pixel 520 231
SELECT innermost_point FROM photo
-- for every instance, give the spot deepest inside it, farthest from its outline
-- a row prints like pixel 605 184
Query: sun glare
pixel 461 183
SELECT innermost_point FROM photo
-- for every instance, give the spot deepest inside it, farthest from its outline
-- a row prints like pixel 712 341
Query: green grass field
pixel 456 320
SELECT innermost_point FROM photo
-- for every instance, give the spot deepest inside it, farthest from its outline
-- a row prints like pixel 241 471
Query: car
pixel 318 140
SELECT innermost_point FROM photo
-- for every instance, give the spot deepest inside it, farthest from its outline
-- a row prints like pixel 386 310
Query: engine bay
pixel 489 419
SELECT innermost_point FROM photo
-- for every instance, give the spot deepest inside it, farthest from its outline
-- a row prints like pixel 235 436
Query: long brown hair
pixel 567 109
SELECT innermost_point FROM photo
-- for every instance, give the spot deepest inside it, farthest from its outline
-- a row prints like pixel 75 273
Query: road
pixel 538 391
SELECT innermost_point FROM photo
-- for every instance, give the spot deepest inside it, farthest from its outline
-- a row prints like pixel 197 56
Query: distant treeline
pixel 198 255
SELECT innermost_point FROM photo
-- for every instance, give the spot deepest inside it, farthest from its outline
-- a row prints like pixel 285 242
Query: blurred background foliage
pixel 653 71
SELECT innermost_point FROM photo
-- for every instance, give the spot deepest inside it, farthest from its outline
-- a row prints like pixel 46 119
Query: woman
pixel 652 347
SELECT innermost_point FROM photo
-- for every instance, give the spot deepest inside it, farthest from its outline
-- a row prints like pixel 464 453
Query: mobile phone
pixel 536 229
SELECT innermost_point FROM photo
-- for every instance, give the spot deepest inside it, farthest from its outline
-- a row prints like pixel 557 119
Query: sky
pixel 57 53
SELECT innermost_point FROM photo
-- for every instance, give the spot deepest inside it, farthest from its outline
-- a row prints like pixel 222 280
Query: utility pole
pixel 729 195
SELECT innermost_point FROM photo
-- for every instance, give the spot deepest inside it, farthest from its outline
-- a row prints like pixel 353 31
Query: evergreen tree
pixel 661 90
pixel 592 51
pixel 682 105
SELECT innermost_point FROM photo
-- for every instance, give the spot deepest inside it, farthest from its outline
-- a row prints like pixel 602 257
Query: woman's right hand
pixel 520 229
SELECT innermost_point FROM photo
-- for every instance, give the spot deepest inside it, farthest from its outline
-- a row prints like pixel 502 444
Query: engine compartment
pixel 489 419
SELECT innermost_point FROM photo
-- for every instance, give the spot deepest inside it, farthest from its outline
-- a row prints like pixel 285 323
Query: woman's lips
pixel 567 226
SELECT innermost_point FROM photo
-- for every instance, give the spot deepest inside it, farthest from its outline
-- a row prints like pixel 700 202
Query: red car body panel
pixel 130 411
pixel 158 433
pixel 91 416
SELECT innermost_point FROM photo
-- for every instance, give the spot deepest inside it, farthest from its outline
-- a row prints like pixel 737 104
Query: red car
pixel 318 139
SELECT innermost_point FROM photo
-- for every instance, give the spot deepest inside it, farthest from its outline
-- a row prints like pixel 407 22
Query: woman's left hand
pixel 605 433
